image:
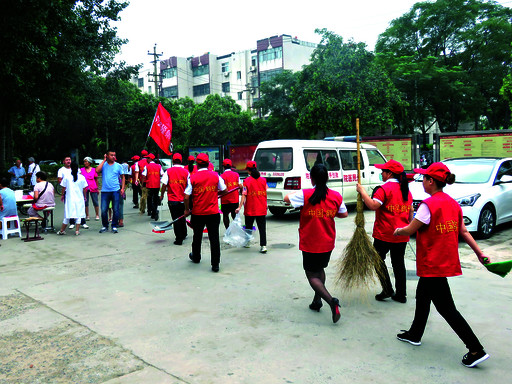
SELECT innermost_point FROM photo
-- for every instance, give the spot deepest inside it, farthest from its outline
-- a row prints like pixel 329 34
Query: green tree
pixel 343 82
pixel 448 58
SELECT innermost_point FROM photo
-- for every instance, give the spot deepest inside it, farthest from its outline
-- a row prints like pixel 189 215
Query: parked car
pixel 47 162
pixel 166 163
pixel 483 188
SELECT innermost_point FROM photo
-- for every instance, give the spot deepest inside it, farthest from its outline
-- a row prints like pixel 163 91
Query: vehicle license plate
pixel 272 184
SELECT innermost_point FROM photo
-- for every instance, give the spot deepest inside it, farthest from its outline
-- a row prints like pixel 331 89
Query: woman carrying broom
pixel 392 203
pixel 439 224
pixel 317 233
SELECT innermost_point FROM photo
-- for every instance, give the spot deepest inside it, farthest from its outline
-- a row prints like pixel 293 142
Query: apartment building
pixel 238 75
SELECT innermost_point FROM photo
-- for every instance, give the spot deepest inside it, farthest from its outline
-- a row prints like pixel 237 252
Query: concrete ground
pixel 131 308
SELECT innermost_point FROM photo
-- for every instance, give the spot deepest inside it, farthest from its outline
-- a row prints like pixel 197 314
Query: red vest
pixel 393 213
pixel 142 164
pixel 177 183
pixel 232 181
pixel 205 191
pixel 256 198
pixel 437 244
pixel 317 232
pixel 153 175
pixel 132 170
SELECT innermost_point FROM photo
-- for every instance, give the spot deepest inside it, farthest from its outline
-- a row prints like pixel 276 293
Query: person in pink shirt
pixel 92 187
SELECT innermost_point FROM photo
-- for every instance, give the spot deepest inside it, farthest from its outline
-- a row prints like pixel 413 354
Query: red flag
pixel 161 129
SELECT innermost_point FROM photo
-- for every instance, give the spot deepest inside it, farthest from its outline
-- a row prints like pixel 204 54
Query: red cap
pixel 136 157
pixel 151 156
pixel 143 153
pixel 177 156
pixel 191 158
pixel 250 164
pixel 202 158
pixel 392 165
pixel 438 171
pixel 227 163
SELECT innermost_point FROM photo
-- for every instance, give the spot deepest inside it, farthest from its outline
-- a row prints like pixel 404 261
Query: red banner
pixel 161 129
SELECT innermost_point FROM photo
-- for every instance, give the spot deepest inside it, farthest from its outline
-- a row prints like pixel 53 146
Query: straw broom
pixel 360 263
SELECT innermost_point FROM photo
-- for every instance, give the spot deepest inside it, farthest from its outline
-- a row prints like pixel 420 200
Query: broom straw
pixel 360 263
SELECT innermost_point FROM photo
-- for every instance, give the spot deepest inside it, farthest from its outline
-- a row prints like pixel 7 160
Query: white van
pixel 286 165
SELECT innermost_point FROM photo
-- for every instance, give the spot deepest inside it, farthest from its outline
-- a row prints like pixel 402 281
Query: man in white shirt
pixel 33 168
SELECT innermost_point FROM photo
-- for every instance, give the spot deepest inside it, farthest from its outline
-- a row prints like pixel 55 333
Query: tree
pixel 343 82
pixel 448 58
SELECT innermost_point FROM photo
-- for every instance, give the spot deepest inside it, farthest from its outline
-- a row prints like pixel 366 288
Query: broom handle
pixel 358 152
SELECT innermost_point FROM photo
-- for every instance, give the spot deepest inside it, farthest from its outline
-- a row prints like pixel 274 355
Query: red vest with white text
pixel 205 190
pixel 256 198
pixel 177 183
pixel 232 181
pixel 142 164
pixel 153 175
pixel 437 244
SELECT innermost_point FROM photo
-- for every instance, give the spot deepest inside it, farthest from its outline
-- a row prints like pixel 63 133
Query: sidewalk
pixel 131 308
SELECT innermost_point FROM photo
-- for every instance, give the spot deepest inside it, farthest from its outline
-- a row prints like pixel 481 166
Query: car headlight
pixel 468 201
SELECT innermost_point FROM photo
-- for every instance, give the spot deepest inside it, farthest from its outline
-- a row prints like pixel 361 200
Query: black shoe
pixel 400 299
pixel 408 338
pixel 215 268
pixel 193 259
pixel 178 242
pixel 469 360
pixel 316 305
pixel 383 296
pixel 136 206
pixel 335 309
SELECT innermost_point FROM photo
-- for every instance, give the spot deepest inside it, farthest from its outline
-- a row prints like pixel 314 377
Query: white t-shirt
pixel 221 185
pixel 297 200
pixel 423 214
pixel 33 169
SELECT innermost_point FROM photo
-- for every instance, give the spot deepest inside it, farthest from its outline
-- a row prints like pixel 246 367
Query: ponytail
pixel 404 185
pixel 255 174
pixel 74 171
pixel 319 176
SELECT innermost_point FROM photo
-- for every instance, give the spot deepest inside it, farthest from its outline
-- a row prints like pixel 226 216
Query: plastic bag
pixel 236 235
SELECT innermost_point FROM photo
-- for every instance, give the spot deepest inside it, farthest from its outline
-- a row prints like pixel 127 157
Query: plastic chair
pixel 15 223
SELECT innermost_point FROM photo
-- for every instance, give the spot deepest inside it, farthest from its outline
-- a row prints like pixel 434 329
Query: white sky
pixel 191 28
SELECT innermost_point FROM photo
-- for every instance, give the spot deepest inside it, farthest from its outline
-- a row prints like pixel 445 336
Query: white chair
pixel 14 222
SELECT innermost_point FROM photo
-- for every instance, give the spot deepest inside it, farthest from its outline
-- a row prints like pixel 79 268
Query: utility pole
pixel 155 73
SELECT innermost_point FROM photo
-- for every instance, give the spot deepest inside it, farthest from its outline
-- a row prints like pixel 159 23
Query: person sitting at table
pixel 7 199
pixel 17 175
pixel 44 195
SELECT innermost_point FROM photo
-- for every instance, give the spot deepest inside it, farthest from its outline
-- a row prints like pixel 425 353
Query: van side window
pixel 375 157
pixel 327 157
pixel 274 159
pixel 349 160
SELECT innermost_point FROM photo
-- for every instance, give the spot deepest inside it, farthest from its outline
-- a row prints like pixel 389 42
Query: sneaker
pixel 103 229
pixel 97 218
pixel 406 336
pixel 263 249
pixel 77 233
pixel 335 309
pixel 85 226
pixel 87 218
pixel 72 226
pixel 61 233
pixel 470 360
pixel 114 230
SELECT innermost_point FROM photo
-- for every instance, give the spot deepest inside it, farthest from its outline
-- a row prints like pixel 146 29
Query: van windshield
pixel 274 159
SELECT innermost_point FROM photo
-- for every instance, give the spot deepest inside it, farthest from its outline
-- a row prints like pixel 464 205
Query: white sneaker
pixel 85 226
pixel 263 249
pixel 72 226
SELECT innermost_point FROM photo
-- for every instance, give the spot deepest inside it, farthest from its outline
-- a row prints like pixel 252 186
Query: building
pixel 238 75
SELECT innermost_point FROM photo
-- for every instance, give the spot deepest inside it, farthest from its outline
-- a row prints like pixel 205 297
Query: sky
pixel 192 28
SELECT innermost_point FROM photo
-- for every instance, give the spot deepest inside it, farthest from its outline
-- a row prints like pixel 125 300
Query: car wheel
pixel 277 211
pixel 486 222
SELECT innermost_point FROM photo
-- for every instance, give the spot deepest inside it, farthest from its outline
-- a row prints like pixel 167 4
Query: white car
pixel 483 188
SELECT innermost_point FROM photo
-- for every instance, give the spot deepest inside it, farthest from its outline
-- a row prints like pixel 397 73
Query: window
pixel 169 73
pixel 268 75
pixel 140 82
pixel 254 81
pixel 201 90
pixel 201 70
pixel 240 95
pixel 253 61
pixel 327 157
pixel 271 54
pixel 170 92
pixel 225 67
pixel 274 159
pixel 349 160
pixel 374 157
pixel 149 89
pixel 226 87
pixel 239 75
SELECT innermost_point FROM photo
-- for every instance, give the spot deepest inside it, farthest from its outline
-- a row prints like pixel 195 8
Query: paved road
pixel 130 308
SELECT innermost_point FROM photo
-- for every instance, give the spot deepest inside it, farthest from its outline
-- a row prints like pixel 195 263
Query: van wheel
pixel 486 222
pixel 277 211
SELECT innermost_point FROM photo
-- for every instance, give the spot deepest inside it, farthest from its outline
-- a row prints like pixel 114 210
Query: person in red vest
pixel 439 224
pixel 254 201
pixel 229 202
pixel 392 203
pixel 204 188
pixel 152 174
pixel 140 180
pixel 135 188
pixel 317 233
pixel 174 181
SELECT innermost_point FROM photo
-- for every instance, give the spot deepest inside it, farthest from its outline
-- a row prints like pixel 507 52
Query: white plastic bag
pixel 236 235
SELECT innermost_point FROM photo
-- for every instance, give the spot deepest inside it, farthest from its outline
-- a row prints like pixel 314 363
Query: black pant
pixel 227 209
pixel 153 202
pixel 212 223
pixel 437 291
pixel 397 253
pixel 261 222
pixel 177 209
pixel 136 193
